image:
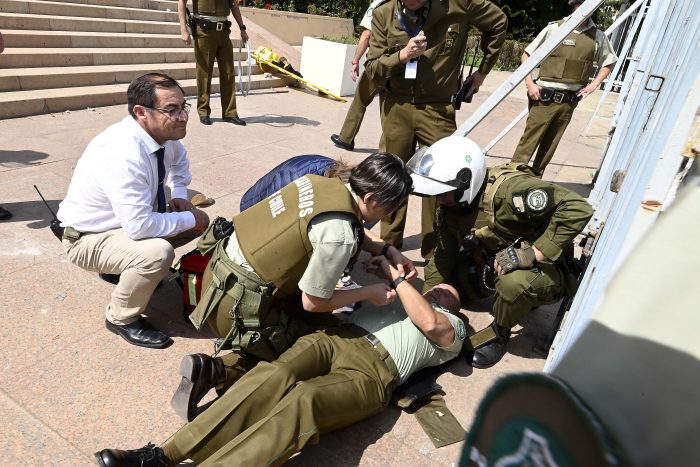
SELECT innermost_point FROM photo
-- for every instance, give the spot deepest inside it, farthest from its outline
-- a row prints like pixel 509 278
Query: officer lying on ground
pixel 283 258
pixel 527 223
pixel 326 380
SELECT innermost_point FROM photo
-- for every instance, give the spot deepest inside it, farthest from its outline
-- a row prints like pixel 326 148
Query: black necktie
pixel 161 178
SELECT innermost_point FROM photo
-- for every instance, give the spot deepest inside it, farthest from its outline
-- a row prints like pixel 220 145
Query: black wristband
pixel 242 27
pixel 385 248
pixel 395 283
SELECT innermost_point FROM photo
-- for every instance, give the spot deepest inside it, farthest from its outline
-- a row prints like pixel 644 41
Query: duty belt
pixel 384 355
pixel 207 25
pixel 558 97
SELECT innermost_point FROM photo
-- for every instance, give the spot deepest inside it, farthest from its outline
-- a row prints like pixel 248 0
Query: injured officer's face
pixel 444 295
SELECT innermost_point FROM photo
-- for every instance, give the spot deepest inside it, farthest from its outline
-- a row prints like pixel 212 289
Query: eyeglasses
pixel 173 112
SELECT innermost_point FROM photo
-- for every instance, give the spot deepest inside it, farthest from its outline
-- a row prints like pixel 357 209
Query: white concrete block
pixel 327 64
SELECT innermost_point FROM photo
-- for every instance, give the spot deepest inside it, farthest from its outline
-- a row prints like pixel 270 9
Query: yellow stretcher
pixel 271 62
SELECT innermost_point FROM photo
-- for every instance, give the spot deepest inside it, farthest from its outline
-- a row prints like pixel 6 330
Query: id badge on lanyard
pixel 412 66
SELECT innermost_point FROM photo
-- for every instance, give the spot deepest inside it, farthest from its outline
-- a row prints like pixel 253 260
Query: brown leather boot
pixel 200 373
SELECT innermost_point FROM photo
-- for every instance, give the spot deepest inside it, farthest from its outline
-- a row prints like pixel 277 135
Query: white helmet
pixel 452 163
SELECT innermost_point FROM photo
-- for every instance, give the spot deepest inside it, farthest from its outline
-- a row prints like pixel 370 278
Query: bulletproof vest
pixel 273 234
pixel 572 61
pixel 487 228
pixel 212 7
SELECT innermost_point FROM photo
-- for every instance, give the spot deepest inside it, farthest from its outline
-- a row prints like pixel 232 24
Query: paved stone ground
pixel 68 387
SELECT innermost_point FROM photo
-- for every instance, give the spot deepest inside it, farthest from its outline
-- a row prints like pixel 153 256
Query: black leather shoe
pixel 200 373
pixel 490 354
pixel 234 120
pixel 140 333
pixel 342 144
pixel 147 456
pixel 111 278
pixel 205 120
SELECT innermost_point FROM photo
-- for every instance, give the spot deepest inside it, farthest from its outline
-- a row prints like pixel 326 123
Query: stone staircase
pixel 74 54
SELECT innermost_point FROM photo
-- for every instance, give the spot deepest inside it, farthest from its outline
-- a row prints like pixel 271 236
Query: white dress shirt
pixel 115 185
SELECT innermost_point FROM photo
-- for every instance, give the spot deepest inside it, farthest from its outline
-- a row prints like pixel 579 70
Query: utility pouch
pixel 546 94
pixel 238 306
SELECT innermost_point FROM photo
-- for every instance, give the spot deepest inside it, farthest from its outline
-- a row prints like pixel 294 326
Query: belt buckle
pixel 219 26
pixel 558 97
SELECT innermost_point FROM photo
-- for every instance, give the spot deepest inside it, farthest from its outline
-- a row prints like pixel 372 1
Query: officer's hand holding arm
pixel 415 48
pixel 378 294
pixel 434 325
pixel 404 265
pixel 184 32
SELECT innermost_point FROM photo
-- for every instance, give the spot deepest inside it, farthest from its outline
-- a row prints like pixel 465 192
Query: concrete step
pixel 162 5
pixel 24 103
pixel 72 23
pixel 66 39
pixel 85 10
pixel 26 79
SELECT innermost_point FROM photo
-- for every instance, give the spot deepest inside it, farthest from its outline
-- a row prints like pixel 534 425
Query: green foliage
pixel 526 18
pixel 351 40
pixel 508 60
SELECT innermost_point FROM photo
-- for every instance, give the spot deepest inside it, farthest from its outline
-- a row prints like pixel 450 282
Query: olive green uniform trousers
pixel 326 380
pixel 210 46
pixel 406 125
pixel 364 95
pixel 546 123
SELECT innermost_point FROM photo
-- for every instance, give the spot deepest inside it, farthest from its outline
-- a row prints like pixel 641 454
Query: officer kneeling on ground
pixel 284 256
pixel 520 225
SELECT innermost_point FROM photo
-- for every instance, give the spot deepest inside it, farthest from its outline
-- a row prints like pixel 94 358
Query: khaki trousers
pixel 404 126
pixel 209 46
pixel 141 263
pixel 364 95
pixel 546 123
pixel 326 380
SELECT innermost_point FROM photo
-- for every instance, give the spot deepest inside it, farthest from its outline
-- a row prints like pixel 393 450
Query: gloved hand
pixel 222 228
pixel 512 258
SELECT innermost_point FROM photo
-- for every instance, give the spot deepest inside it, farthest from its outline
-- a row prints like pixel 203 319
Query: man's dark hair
pixel 385 176
pixel 142 90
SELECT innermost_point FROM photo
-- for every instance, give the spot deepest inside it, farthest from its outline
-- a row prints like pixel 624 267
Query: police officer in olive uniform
pixel 366 88
pixel 417 46
pixel 285 253
pixel 526 223
pixel 562 83
pixel 211 29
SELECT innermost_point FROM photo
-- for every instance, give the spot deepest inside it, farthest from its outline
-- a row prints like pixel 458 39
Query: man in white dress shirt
pixel 115 216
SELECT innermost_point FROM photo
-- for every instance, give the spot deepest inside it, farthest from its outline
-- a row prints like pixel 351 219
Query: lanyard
pixel 399 17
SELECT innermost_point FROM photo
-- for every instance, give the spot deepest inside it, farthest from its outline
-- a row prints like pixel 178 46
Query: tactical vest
pixel 486 226
pixel 273 234
pixel 571 64
pixel 211 7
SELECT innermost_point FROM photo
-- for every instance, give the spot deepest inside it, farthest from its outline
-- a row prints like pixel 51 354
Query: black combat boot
pixel 200 373
pixel 148 456
pixel 490 354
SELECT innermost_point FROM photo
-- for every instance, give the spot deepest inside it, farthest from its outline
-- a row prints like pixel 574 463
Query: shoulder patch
pixel 460 330
pixel 537 200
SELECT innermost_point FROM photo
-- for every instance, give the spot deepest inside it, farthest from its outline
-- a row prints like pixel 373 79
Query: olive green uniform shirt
pixel 545 214
pixel 446 27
